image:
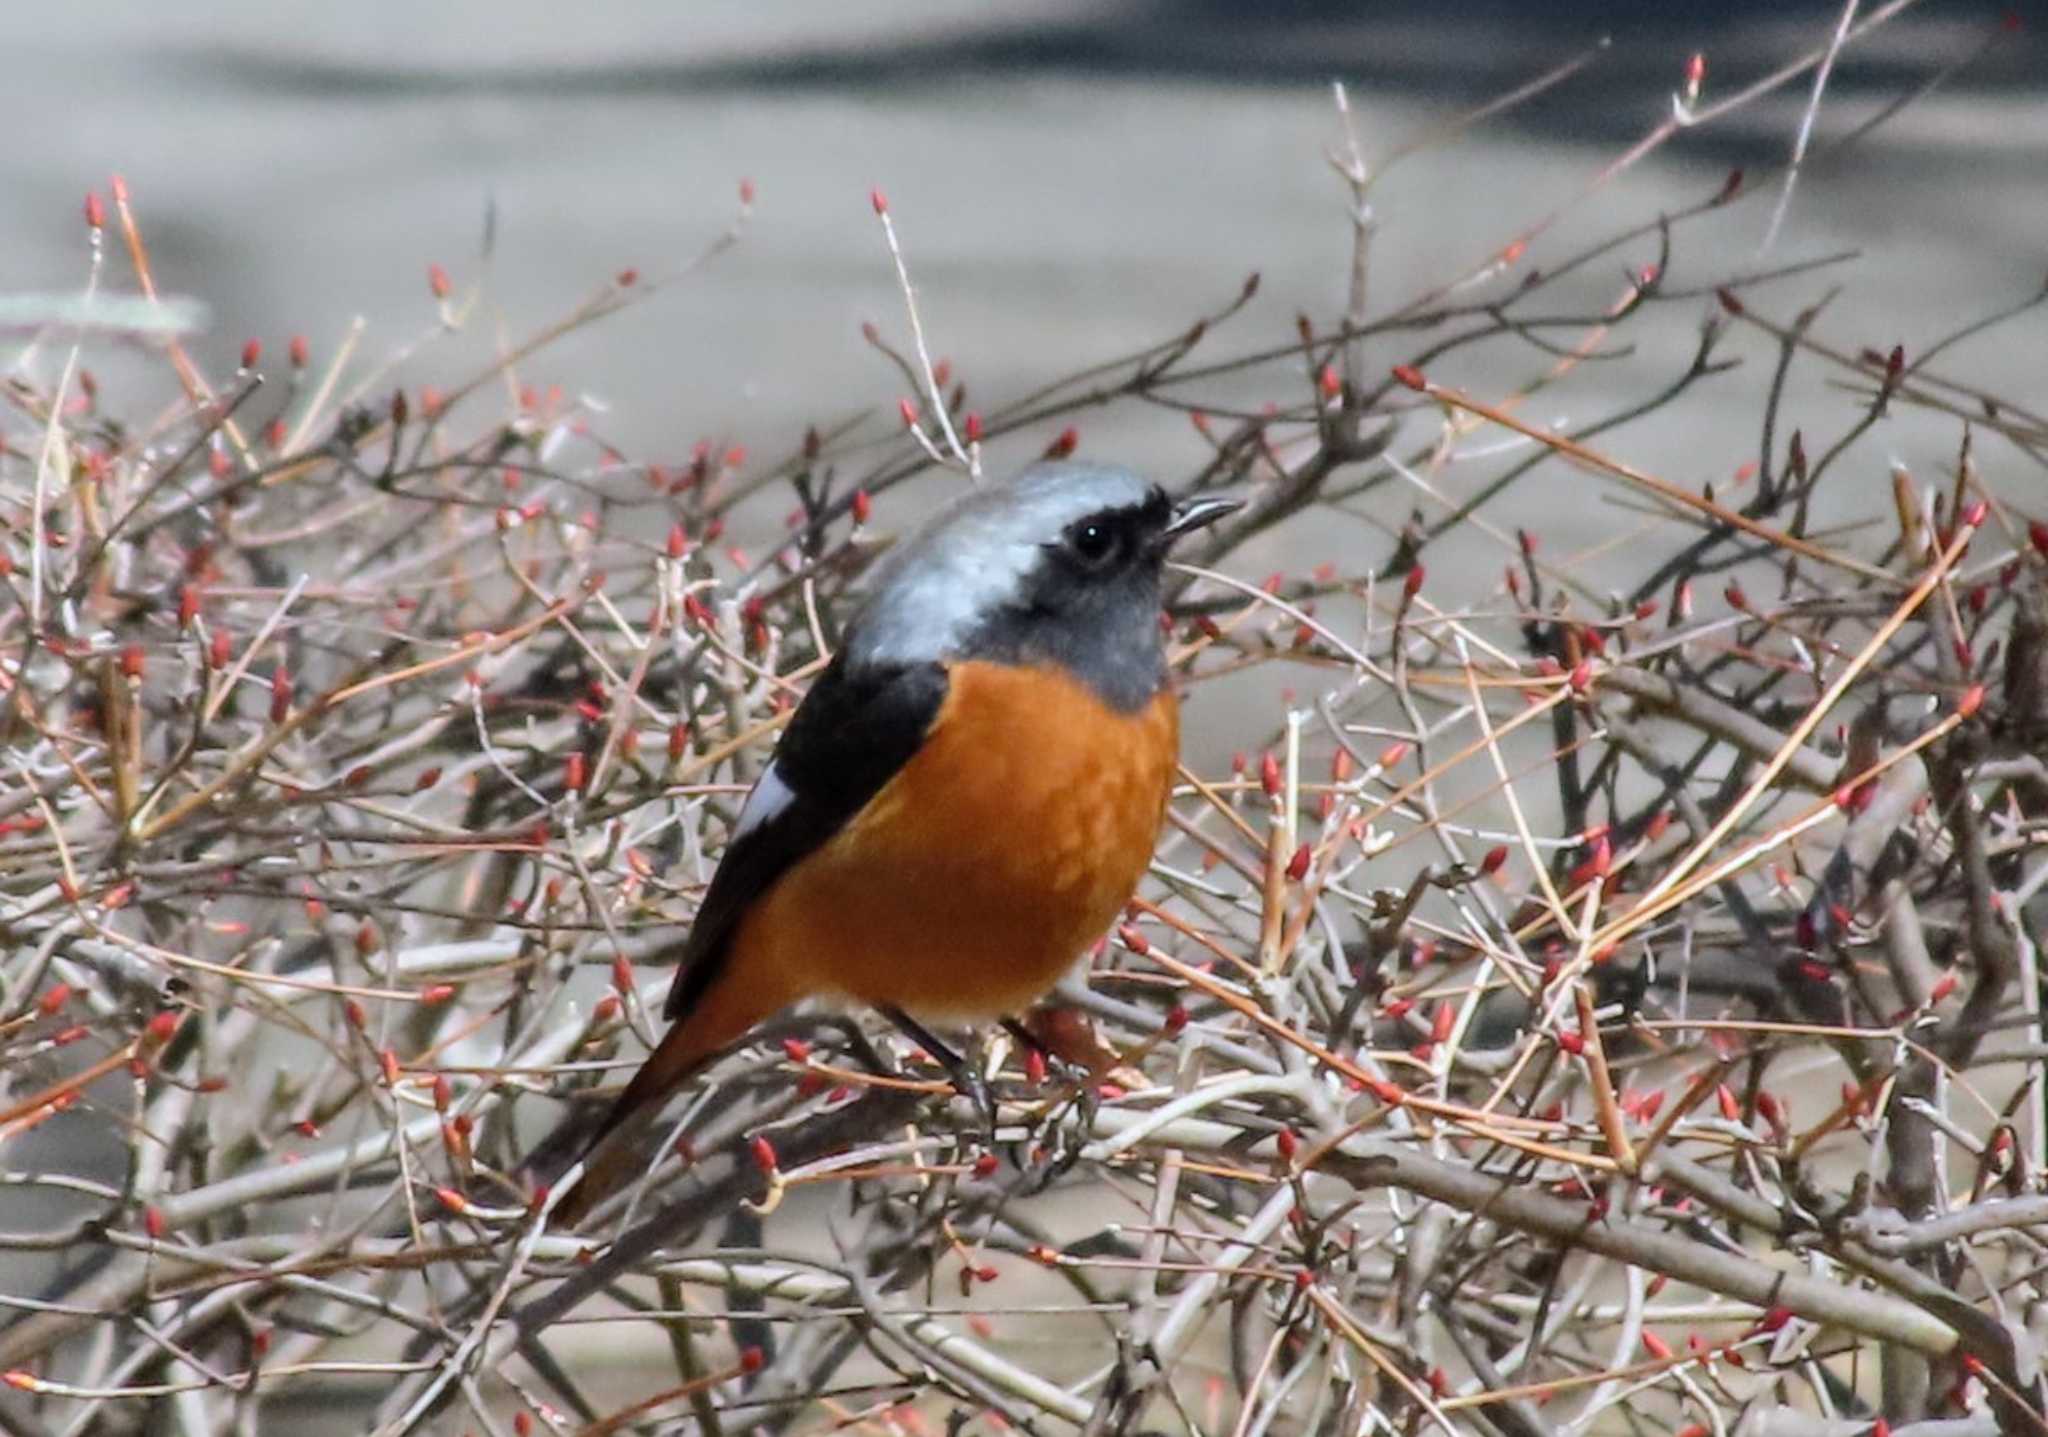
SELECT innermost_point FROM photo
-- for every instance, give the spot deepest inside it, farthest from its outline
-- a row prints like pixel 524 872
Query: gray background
pixel 1072 179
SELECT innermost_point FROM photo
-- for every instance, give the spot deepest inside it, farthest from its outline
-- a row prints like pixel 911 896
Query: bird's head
pixel 1062 566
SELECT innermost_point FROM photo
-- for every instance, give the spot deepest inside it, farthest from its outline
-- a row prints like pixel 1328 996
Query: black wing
pixel 855 728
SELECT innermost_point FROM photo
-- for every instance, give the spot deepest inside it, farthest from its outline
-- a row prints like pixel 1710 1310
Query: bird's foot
pixel 966 1078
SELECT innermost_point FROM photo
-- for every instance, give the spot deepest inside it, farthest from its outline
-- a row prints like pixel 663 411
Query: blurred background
pixel 1073 178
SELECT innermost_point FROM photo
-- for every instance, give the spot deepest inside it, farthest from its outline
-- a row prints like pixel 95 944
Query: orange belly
pixel 978 874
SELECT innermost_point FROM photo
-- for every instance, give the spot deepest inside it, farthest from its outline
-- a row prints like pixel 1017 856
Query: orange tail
pixel 611 1152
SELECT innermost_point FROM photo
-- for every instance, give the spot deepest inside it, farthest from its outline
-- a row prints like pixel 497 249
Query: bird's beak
pixel 1192 514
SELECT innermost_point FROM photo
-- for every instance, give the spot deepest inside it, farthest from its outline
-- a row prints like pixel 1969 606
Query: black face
pixel 1129 540
pixel 1091 604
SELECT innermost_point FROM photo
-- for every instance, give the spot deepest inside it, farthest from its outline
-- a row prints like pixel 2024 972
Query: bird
pixel 960 805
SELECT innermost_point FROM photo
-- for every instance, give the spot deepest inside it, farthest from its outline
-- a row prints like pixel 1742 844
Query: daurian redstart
pixel 962 803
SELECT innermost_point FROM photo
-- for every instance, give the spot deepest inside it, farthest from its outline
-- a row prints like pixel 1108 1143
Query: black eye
pixel 1094 543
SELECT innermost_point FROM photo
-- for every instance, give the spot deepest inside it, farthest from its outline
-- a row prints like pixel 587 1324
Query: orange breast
pixel 982 869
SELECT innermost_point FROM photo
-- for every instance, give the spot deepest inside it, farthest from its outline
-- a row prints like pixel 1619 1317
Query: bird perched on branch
pixel 963 801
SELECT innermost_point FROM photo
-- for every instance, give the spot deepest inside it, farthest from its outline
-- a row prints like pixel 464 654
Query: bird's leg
pixel 967 1079
pixel 1071 1125
pixel 857 1042
pixel 1083 1103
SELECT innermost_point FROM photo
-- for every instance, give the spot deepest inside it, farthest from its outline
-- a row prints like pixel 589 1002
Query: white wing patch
pixel 769 796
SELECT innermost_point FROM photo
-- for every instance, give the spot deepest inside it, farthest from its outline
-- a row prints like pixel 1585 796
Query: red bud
pixel 879 200
pixel 1602 856
pixel 1297 866
pixel 1269 775
pixel 1034 1066
pixel 1441 1020
pixel 1767 1105
pixel 1409 375
pixel 437 281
